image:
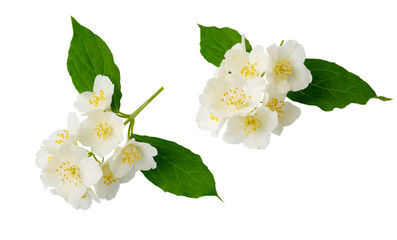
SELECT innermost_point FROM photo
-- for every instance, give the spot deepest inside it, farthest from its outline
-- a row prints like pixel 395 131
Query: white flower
pixel 133 156
pixel 207 121
pixel 102 131
pixel 61 138
pixel 286 70
pixel 108 185
pixel 99 99
pixel 229 95
pixel 71 173
pixel 85 201
pixel 287 112
pixel 246 65
pixel 252 130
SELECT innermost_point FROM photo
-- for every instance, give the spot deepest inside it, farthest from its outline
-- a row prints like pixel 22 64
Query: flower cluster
pixel 248 92
pixel 71 170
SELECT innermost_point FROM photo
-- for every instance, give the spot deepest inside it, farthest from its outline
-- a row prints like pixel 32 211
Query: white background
pixel 331 175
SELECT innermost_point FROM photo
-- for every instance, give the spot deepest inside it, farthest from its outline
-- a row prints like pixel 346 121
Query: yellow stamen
pixel 103 130
pixel 131 155
pixel 62 137
pixel 252 124
pixel 250 70
pixel 283 68
pixel 236 98
pixel 276 106
pixel 97 99
pixel 212 117
pixel 70 173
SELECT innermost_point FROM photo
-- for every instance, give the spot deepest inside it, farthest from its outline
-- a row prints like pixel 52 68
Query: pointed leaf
pixel 333 87
pixel 179 170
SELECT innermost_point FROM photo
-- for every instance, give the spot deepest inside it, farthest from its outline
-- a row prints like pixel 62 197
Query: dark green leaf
pixel 89 56
pixel 179 170
pixel 214 42
pixel 333 87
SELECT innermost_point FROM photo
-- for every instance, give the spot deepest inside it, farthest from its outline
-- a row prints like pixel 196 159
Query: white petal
pixel 105 147
pixel 265 98
pixel 257 84
pixel 273 93
pixel 289 115
pixel 73 124
pixel 235 132
pixel 112 190
pixel 287 49
pixel 145 163
pixel 93 195
pixel 278 130
pixel 82 102
pixel 77 153
pixel 215 131
pixel 235 60
pixel 90 171
pixel 42 158
pixel 145 147
pixel 209 122
pixel 204 121
pixel 301 78
pixel 70 192
pixel 103 83
pixel 272 52
pixel 268 118
pixel 101 188
pixel 84 202
pixel 105 191
pixel 118 168
pixel 49 176
pixel 130 175
pixel 297 55
pixel 56 140
pixel 283 86
pixel 257 140
pixel 259 56
pixel 88 136
pixel 117 124
pixel 254 91
pixel 212 83
pixel 239 46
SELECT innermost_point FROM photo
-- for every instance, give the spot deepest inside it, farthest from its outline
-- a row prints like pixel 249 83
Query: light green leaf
pixel 214 42
pixel 89 56
pixel 179 170
pixel 333 87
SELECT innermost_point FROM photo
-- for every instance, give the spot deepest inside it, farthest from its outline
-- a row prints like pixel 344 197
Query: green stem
pixel 130 128
pixel 90 154
pixel 123 115
pixel 134 114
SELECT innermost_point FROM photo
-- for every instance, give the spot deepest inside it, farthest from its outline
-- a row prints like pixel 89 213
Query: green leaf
pixel 89 56
pixel 214 42
pixel 179 170
pixel 333 87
